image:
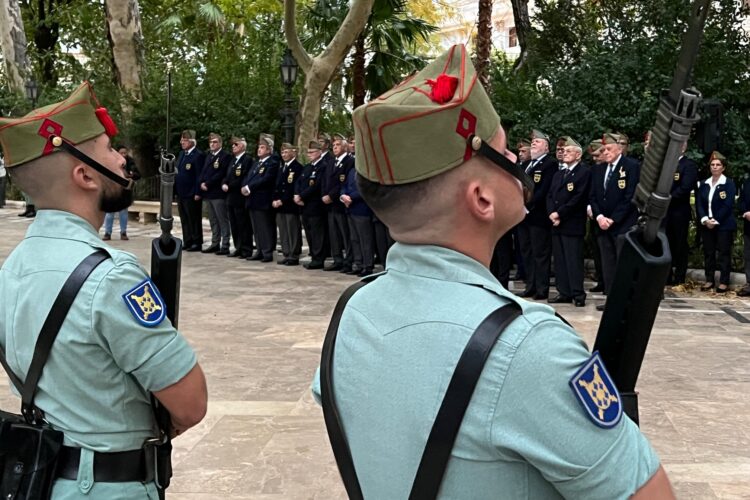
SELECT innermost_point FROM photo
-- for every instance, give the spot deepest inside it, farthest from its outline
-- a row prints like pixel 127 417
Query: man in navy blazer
pixel 613 185
pixel 187 188
pixel 239 219
pixel 679 215
pixel 744 206
pixel 212 177
pixel 287 211
pixel 259 185
pixel 566 205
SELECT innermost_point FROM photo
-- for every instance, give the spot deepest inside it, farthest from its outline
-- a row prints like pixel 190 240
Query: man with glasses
pixel 214 171
pixel 525 433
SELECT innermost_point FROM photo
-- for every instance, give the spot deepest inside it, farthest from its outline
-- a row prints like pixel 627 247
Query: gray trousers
pixel 746 249
pixel 362 237
pixel 341 246
pixel 290 232
pixel 568 251
pixel 218 217
pixel 264 229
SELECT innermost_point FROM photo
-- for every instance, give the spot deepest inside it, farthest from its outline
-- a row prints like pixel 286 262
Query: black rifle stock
pixel 644 260
pixel 166 262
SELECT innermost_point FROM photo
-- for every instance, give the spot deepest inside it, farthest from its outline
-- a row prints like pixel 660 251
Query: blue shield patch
pixel 596 392
pixel 145 303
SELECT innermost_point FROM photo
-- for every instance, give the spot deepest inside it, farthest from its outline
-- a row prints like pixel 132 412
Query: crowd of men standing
pixel 250 197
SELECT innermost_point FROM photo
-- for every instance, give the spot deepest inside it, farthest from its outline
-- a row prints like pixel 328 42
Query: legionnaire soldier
pixel 215 170
pixel 530 430
pixel 612 187
pixel 258 186
pixel 287 212
pixel 239 219
pixel 314 212
pixel 187 188
pixel 567 200
pixel 116 344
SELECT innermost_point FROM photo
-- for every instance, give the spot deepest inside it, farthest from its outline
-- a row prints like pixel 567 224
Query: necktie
pixel 531 166
pixel 610 171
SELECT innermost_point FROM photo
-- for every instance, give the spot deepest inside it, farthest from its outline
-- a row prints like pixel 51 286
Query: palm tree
pixel 483 43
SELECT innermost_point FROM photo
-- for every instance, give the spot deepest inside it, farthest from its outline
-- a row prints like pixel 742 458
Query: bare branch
pixel 292 38
pixel 354 23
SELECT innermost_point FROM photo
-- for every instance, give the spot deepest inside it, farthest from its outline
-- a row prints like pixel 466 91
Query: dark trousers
pixel 315 232
pixel 2 190
pixel 591 238
pixel 609 246
pixel 746 255
pixel 720 242
pixel 264 229
pixel 541 249
pixel 502 259
pixel 290 232
pixel 338 229
pixel 383 240
pixel 527 256
pixel 191 219
pixel 568 251
pixel 242 230
pixel 362 237
pixel 677 235
pixel 218 217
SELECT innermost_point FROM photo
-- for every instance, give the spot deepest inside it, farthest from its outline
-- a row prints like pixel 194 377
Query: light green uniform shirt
pixel 524 434
pixel 95 384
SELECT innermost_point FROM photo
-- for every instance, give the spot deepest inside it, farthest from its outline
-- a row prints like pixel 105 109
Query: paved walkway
pixel 258 329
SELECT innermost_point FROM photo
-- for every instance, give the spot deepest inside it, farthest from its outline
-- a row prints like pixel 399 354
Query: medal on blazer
pixel 238 171
pixel 537 177
pixel 676 176
pixel 262 169
pixel 622 173
pixel 290 179
pixel 621 184
pixel 570 186
pixel 216 164
pixel 723 195
pixel 188 166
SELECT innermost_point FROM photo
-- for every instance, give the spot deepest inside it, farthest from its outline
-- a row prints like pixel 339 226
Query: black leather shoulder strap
pixel 50 329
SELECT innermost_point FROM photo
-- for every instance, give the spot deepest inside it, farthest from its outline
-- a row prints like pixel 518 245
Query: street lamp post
pixel 32 92
pixel 288 77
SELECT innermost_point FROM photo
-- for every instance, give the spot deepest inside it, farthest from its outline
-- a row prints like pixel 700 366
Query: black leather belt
pixel 116 467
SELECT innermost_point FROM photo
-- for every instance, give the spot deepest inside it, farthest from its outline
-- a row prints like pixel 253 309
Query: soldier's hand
pixel 224 188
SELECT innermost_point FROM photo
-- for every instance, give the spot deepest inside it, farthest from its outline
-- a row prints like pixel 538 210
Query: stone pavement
pixel 258 330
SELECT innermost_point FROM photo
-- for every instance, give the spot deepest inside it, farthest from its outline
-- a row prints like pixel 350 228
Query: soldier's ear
pixel 84 177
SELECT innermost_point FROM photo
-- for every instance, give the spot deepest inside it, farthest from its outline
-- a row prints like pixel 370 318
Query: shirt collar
pixel 66 226
pixel 189 151
pixel 239 156
pixel 722 180
pixel 342 156
pixel 614 163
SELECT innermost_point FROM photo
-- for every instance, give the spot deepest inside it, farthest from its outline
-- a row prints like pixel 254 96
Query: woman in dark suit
pixel 715 206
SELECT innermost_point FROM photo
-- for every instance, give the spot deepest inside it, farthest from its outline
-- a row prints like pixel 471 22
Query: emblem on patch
pixel 145 303
pixel 216 164
pixel 723 195
pixel 188 166
pixel 342 178
pixel 621 184
pixel 237 172
pixel 676 176
pixel 570 186
pixel 290 179
pixel 537 177
pixel 312 182
pixel 596 392
pixel 262 169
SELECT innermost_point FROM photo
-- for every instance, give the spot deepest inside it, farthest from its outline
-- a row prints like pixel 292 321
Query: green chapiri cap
pixel 287 146
pixel 420 128
pixel 569 141
pixel 524 143
pixel 266 139
pixel 75 120
pixel 188 134
pixel 595 144
pixel 717 156
pixel 610 138
pixel 538 134
pixel 314 145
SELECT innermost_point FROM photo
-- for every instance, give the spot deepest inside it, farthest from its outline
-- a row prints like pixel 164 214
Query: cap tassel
pixel 443 88
pixel 107 122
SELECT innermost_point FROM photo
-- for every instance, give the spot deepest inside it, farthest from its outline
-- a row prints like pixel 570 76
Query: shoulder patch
pixel 145 303
pixel 594 389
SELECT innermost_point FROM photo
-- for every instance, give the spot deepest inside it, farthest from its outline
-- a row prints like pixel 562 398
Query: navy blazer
pixel 542 174
pixel 327 186
pixel 358 207
pixel 235 174
pixel 744 205
pixel 568 196
pixel 284 190
pixel 214 171
pixel 615 202
pixel 189 165
pixel 685 179
pixel 308 188
pixel 722 204
pixel 261 180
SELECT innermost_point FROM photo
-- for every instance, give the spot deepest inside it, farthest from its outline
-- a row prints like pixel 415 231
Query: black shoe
pixel 365 272
pixel 282 262
pixel 600 307
pixel 519 277
pixel 334 267
pixel 236 253
pixel 194 248
pixel 722 289
pixel 31 214
pixel 579 302
pixel 598 288
pixel 292 262
pixel 352 272
pixel 527 293
pixel 257 256
pixel 267 259
pixel 346 270
pixel 560 299
pixel 541 296
pixel 314 265
pixel 744 291
pixel 706 287
pixel 223 251
pixel 211 249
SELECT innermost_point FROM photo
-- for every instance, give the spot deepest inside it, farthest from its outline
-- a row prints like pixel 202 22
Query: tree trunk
pixel 523 29
pixel 13 43
pixel 46 34
pixel 319 70
pixel 126 42
pixel 483 43
pixel 359 85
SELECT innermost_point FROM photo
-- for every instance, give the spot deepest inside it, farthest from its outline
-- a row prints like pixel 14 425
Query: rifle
pixel 645 259
pixel 166 262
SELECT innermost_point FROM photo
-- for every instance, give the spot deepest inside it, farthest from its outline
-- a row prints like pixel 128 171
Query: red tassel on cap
pixel 443 88
pixel 109 124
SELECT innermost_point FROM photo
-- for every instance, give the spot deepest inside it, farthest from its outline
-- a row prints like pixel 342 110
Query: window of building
pixel 512 37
